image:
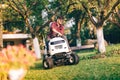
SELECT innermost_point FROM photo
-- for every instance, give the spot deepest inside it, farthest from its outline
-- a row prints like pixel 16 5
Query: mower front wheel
pixel 48 63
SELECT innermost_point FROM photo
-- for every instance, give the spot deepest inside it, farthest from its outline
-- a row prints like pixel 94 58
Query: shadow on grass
pixel 37 65
pixel 83 55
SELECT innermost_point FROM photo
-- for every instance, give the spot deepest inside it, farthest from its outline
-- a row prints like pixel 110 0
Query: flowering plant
pixel 4 67
pixel 15 57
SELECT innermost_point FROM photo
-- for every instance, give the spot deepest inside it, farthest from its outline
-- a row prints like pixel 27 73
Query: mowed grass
pixel 107 68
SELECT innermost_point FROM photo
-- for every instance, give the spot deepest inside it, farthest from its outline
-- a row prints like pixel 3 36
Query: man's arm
pixel 54 30
pixel 53 27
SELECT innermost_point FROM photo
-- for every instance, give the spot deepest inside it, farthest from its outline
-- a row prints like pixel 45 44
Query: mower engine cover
pixel 58 45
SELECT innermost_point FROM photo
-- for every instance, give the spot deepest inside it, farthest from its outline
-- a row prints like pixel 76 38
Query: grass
pixel 88 69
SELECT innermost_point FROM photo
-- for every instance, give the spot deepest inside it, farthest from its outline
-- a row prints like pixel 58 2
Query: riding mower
pixel 59 54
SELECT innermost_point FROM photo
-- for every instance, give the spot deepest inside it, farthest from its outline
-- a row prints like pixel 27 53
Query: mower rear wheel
pixel 74 59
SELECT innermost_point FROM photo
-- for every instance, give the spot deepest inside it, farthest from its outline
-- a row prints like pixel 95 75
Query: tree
pixel 26 9
pixel 98 12
pixel 78 13
pixel 2 7
pixel 1 27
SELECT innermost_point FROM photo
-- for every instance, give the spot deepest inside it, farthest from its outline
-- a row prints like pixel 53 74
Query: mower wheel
pixel 74 59
pixel 48 63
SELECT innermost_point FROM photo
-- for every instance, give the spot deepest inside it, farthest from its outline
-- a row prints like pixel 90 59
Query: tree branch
pixel 118 13
pixel 16 8
pixel 99 4
pixel 23 6
pixel 116 4
pixel 23 11
pixel 89 14
pixel 69 6
pixel 115 22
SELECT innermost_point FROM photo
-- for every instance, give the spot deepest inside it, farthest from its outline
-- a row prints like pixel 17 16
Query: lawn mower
pixel 59 53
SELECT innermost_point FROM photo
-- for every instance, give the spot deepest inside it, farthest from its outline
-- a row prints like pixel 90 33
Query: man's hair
pixel 60 17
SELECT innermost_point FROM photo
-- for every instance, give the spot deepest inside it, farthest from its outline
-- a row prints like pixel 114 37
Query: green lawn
pixel 88 69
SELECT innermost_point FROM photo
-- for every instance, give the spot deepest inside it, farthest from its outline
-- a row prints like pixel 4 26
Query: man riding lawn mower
pixel 58 51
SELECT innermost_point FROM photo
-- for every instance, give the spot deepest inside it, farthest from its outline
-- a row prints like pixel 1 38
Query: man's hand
pixel 60 34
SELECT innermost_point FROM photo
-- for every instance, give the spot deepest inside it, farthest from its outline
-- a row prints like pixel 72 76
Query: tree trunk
pixel 1 26
pixel 37 47
pixel 78 40
pixel 27 24
pixel 100 39
pixel 35 39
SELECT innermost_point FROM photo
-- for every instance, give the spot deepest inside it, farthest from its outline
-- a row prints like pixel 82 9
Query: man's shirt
pixel 59 28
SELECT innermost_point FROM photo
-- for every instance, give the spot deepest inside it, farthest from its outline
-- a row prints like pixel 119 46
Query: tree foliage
pixel 27 8
pixel 100 9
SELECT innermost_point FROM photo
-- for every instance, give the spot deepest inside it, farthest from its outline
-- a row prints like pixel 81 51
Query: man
pixel 56 28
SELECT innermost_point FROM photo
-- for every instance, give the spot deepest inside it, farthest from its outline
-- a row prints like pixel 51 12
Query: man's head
pixel 60 19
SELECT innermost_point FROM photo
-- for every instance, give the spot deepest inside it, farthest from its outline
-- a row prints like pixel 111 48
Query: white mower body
pixel 58 45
